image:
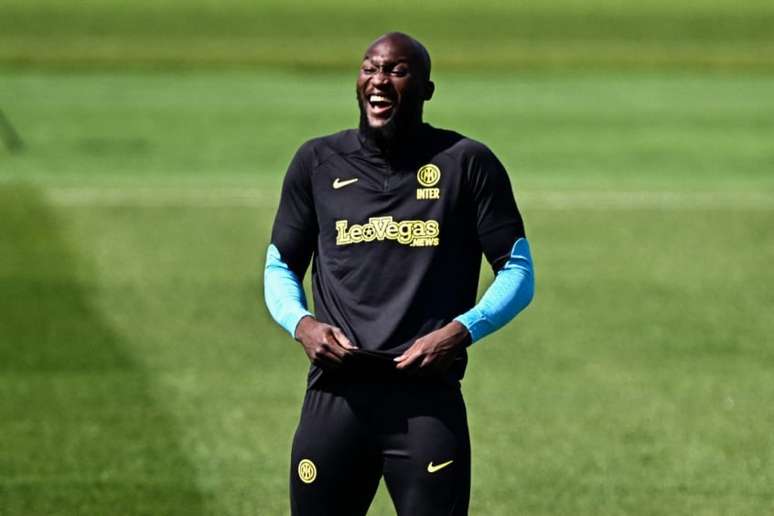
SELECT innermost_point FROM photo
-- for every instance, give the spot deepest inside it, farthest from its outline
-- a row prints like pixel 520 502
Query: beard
pixel 384 136
pixel 398 127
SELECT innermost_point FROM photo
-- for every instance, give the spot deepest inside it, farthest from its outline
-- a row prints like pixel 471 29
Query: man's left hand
pixel 436 350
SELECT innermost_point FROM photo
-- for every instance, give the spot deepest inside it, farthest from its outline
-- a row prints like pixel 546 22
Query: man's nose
pixel 380 77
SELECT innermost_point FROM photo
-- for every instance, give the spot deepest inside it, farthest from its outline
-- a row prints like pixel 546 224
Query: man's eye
pixel 369 70
pixel 400 72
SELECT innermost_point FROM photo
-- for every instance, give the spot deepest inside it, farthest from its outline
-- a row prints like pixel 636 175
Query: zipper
pixel 387 177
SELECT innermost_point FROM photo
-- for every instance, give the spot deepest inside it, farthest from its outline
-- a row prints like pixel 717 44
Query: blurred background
pixel 142 145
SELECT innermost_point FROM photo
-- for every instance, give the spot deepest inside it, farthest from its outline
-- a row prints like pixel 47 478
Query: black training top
pixel 397 243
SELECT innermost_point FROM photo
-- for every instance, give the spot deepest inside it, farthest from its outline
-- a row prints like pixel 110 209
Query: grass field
pixel 322 35
pixel 140 373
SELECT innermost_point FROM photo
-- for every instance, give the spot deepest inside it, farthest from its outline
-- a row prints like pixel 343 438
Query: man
pixel 396 215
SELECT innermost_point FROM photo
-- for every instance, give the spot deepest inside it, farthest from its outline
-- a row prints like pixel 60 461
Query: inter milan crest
pixel 428 176
pixel 307 471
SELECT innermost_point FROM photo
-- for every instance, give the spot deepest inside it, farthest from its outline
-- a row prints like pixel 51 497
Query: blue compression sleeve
pixel 283 292
pixel 509 294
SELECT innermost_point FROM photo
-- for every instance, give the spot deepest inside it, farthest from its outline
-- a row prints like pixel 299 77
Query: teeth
pixel 378 98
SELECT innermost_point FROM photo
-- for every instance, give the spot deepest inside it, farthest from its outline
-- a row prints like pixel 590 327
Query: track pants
pixel 352 433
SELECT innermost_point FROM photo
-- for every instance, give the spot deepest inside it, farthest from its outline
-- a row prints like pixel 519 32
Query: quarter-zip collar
pixel 407 149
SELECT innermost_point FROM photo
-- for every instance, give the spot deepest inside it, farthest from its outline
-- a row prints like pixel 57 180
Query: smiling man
pixel 396 216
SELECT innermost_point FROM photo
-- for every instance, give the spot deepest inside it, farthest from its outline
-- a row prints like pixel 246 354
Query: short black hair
pixel 421 54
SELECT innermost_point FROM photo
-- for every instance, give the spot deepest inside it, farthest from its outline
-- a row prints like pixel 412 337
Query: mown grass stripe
pixel 81 430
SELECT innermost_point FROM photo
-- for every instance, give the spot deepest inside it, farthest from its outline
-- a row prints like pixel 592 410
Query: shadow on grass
pixel 79 430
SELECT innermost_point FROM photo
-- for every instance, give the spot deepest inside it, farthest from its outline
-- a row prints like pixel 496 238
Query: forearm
pixel 283 292
pixel 510 292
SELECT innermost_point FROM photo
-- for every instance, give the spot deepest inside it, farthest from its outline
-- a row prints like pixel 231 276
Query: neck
pixel 392 138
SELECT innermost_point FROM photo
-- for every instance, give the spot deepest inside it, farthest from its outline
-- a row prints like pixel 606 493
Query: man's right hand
pixel 325 345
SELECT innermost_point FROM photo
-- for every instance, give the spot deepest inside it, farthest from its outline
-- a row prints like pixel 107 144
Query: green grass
pixel 313 35
pixel 81 429
pixel 140 373
pixel 645 131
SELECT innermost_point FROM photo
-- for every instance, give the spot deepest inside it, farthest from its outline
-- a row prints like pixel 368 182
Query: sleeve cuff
pixel 290 322
pixel 476 323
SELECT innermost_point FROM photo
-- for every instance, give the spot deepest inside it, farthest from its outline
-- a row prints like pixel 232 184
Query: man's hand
pixel 325 345
pixel 436 350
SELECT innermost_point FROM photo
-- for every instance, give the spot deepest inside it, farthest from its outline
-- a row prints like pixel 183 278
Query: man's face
pixel 390 86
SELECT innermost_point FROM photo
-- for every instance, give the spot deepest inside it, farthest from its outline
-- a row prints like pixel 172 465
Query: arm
pixel 293 241
pixel 503 241
pixel 284 295
pixel 510 293
pixel 283 292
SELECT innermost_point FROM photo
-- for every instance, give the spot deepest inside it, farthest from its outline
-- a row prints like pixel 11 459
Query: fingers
pixel 334 348
pixel 342 339
pixel 325 354
pixel 331 349
pixel 425 355
pixel 408 358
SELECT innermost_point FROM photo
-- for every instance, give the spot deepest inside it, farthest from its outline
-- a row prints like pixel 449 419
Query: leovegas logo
pixel 414 233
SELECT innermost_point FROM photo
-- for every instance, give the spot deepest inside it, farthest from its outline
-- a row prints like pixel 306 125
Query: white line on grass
pixel 228 197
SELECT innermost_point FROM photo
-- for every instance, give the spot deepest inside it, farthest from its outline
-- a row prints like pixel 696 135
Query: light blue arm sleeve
pixel 509 294
pixel 283 292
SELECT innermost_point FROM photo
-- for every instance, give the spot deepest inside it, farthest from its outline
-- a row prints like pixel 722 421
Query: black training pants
pixel 352 432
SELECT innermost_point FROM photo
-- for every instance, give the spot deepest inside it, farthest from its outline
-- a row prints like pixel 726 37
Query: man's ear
pixel 429 90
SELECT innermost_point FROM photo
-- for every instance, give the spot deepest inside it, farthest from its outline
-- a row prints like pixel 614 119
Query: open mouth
pixel 380 106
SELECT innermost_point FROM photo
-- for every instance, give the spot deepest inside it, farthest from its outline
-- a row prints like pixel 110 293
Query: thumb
pixel 343 340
